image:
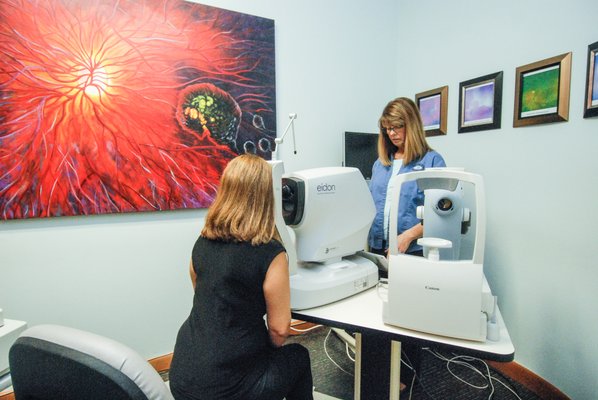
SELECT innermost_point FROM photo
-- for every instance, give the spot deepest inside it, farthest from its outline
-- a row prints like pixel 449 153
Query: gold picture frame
pixel 433 108
pixel 542 91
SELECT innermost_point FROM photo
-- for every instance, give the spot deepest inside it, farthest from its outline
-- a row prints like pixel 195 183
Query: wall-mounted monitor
pixel 360 150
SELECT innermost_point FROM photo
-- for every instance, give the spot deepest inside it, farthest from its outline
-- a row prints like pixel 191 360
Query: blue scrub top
pixel 410 197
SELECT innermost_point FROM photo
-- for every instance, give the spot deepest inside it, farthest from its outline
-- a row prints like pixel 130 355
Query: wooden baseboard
pixel 160 364
pixel 7 395
pixel 301 327
pixel 534 383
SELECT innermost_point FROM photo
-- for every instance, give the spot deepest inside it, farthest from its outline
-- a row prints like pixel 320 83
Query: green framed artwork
pixel 542 91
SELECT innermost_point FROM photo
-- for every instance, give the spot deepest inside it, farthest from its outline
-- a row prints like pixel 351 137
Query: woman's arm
pixel 411 234
pixel 192 274
pixel 277 293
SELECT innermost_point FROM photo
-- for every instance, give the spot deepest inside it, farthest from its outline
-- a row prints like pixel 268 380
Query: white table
pixel 377 366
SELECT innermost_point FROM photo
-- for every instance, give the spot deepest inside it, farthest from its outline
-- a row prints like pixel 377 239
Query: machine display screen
pixel 360 151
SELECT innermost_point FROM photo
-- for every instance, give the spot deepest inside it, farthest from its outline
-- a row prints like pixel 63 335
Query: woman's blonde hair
pixel 402 112
pixel 243 210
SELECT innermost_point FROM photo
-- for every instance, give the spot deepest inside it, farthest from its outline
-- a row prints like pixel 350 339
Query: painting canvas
pixel 595 82
pixel 120 106
pixel 429 109
pixel 540 89
pixel 478 104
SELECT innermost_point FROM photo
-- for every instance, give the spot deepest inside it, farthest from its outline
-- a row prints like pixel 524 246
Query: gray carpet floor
pixel 435 381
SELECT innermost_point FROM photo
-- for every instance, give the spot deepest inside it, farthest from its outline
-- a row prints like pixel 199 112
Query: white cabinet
pixel 9 332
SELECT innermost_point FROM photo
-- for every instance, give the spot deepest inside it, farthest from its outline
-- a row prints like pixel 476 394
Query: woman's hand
pixel 404 239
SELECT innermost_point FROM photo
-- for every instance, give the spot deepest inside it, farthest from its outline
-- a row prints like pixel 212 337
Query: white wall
pixel 338 63
pixel 125 276
pixel 541 181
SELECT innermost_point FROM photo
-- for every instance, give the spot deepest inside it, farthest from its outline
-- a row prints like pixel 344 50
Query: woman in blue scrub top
pixel 402 147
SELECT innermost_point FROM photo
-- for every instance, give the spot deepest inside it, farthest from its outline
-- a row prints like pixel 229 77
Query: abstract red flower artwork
pixel 118 106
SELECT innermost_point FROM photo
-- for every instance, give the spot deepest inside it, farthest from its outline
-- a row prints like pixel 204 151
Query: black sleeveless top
pixel 219 347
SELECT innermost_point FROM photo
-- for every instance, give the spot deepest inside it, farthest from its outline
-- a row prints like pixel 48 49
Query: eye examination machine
pixel 444 293
pixel 323 216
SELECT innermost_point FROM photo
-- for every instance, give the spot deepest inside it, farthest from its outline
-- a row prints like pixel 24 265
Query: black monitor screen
pixel 361 151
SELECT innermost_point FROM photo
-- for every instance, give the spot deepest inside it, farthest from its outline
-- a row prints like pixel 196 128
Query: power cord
pixel 330 358
pixel 407 363
pixel 465 361
pixel 348 352
pixel 382 283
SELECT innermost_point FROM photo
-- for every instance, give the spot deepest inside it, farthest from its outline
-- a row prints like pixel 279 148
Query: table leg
pixel 357 371
pixel 377 368
pixel 395 370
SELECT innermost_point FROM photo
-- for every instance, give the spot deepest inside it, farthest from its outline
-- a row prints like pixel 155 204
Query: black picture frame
pixel 480 103
pixel 591 104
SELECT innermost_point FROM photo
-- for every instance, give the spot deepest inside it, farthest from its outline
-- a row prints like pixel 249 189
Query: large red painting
pixel 118 106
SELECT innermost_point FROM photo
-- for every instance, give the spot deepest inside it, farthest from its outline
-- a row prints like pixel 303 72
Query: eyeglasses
pixel 394 129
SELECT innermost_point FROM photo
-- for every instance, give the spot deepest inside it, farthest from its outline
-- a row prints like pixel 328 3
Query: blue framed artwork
pixel 433 106
pixel 591 103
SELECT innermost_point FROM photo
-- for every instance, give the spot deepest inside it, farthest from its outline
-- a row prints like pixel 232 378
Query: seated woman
pixel 239 272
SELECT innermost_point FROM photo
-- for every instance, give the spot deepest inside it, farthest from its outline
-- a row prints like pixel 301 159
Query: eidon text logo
pixel 325 188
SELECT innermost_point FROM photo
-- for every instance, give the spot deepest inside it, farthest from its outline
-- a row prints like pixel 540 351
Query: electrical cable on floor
pixel 407 362
pixel 412 384
pixel 330 358
pixel 348 352
pixel 466 363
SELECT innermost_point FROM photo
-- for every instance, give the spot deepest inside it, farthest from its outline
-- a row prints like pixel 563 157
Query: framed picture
pixel 542 91
pixel 433 106
pixel 591 104
pixel 480 102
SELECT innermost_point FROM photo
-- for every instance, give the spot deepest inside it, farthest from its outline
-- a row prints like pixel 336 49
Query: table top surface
pixel 363 313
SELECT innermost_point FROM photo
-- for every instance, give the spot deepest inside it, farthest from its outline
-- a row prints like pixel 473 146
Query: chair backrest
pixel 56 362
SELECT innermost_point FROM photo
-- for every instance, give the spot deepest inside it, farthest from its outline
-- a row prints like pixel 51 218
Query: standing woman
pixel 239 272
pixel 402 147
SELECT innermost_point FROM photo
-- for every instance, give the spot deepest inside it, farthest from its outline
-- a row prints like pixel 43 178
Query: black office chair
pixel 50 362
